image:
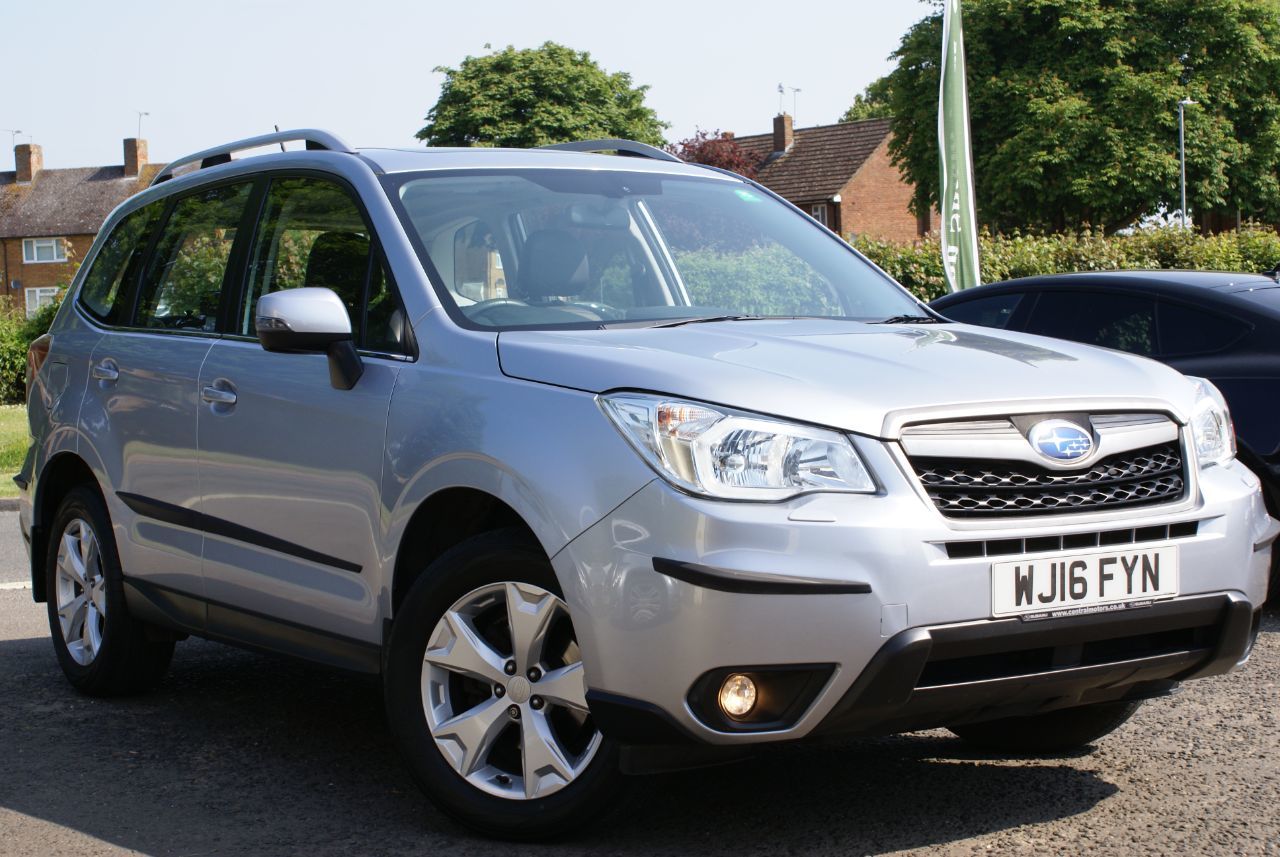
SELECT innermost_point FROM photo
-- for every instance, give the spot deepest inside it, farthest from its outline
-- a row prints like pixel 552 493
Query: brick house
pixel 840 174
pixel 49 218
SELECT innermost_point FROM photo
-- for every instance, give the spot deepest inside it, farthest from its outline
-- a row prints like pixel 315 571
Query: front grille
pixel 966 487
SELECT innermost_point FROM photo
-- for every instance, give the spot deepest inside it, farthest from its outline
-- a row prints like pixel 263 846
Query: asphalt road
pixel 238 753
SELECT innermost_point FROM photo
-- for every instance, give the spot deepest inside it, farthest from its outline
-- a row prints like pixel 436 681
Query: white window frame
pixel 818 211
pixel 30 251
pixel 39 296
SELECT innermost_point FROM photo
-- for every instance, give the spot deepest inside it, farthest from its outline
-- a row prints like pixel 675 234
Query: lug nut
pixel 536 703
pixel 509 668
pixel 514 712
pixel 534 674
pixel 499 690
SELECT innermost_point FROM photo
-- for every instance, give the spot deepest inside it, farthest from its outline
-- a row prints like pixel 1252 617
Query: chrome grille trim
pixel 972 488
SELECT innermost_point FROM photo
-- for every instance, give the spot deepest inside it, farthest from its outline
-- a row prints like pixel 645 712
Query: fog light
pixel 738 695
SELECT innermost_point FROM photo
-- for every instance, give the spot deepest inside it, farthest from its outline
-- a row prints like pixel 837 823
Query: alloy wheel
pixel 504 692
pixel 81 591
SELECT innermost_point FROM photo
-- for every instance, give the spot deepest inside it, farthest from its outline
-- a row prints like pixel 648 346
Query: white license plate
pixel 1065 583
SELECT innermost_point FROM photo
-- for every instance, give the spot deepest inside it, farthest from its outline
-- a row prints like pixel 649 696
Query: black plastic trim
pixel 634 721
pixel 723 581
pixel 887 696
pixel 247 629
pixel 191 519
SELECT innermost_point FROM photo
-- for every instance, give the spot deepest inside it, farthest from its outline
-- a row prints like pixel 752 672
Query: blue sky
pixel 208 73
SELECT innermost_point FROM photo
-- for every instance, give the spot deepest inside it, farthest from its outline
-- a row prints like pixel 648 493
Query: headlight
pixel 1211 426
pixel 718 453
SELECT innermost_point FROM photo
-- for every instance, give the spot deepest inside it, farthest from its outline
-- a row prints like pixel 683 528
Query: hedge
pixel 16 334
pixel 918 266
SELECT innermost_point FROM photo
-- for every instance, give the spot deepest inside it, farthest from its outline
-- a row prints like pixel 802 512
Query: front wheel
pixel 1053 732
pixel 486 694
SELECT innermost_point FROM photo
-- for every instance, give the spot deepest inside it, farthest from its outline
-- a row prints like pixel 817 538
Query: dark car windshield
pixel 557 247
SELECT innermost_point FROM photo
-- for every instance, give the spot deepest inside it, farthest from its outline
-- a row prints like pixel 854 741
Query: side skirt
pixel 167 607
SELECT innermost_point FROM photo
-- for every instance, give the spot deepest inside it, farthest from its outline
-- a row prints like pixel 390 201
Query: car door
pixel 140 403
pixel 290 467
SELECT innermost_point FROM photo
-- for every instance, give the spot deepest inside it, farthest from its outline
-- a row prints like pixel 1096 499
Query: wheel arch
pixel 60 474
pixel 445 519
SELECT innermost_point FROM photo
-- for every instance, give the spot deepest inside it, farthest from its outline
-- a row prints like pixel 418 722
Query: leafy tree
pixel 534 97
pixel 872 103
pixel 1073 108
pixel 717 149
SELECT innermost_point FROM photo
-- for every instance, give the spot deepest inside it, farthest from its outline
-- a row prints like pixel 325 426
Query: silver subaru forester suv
pixel 606 462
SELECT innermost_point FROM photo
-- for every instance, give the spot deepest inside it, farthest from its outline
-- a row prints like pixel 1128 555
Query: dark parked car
pixel 1215 325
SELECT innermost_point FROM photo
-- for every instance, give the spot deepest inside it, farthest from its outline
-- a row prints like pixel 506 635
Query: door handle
pixel 218 396
pixel 105 370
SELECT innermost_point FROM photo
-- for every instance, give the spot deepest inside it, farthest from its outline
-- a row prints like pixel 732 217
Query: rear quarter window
pixel 107 286
pixel 1187 330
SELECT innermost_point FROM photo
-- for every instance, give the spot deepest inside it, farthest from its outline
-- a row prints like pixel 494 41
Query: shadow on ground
pixel 240 753
pixel 243 753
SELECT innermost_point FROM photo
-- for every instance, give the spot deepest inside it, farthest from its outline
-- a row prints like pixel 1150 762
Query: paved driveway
pixel 239 753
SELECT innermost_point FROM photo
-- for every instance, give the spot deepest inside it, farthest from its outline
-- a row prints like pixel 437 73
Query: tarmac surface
pixel 239 753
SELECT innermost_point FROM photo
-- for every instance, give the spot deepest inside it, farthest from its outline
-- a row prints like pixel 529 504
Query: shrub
pixel 918 266
pixel 16 334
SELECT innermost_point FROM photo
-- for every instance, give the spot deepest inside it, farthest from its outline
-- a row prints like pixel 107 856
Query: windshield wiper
pixel 909 319
pixel 705 319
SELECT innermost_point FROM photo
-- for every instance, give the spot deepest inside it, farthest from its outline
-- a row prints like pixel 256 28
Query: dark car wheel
pixel 1053 732
pixel 102 649
pixel 486 695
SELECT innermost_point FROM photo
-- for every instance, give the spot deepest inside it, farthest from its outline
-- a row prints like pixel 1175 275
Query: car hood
pixel 863 378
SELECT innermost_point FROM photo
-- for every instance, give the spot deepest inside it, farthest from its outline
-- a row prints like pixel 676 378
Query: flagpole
pixel 959 232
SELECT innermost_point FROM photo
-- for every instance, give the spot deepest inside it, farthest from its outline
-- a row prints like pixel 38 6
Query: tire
pixel 103 651
pixel 1053 732
pixel 455 616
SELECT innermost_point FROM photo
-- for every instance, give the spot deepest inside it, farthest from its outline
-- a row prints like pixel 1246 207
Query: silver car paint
pixel 842 374
pixel 515 415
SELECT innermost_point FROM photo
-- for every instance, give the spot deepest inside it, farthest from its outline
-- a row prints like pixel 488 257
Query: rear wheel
pixel 102 649
pixel 1052 732
pixel 486 693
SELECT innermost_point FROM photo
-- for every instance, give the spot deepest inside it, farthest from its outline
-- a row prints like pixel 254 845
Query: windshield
pixel 546 248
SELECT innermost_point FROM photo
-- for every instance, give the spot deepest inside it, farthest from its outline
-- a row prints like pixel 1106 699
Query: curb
pixel 8 504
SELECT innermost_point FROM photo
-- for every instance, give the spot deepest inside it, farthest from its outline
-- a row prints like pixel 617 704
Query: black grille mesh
pixel 965 487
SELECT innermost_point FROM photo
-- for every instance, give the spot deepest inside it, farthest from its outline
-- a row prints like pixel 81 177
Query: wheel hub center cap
pixel 518 690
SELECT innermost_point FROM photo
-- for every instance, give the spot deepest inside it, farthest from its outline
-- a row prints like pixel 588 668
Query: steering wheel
pixel 480 308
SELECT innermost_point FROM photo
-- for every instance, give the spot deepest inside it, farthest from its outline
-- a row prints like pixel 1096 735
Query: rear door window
pixel 109 284
pixel 993 311
pixel 1125 322
pixel 1187 330
pixel 183 286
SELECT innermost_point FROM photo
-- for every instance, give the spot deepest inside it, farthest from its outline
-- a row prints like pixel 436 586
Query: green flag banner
pixel 959 221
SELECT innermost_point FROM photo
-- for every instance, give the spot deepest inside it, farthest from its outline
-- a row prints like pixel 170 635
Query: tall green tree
pixel 1073 108
pixel 534 97
pixel 872 103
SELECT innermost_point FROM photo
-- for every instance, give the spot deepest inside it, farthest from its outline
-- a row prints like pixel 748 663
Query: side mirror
pixel 311 320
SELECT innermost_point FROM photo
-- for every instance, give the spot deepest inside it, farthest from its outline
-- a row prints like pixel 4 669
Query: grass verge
pixel 13 446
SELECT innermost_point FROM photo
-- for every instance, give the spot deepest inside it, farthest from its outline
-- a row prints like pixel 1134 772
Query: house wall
pixel 41 274
pixel 876 201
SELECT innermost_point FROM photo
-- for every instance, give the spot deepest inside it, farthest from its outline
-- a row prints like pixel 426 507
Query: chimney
pixel 29 159
pixel 783 136
pixel 135 155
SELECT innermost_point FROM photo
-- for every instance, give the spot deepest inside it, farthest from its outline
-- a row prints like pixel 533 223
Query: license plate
pixel 1062 584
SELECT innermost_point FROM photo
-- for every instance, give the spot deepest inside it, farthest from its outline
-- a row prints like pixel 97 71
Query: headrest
pixel 340 261
pixel 553 263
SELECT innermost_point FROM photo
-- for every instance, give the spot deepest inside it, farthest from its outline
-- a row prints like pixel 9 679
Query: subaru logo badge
pixel 1059 440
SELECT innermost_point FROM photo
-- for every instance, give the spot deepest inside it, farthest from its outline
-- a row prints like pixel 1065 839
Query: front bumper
pixel 867 587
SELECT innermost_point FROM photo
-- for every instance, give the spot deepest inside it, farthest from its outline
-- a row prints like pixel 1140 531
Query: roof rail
pixel 314 138
pixel 629 148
